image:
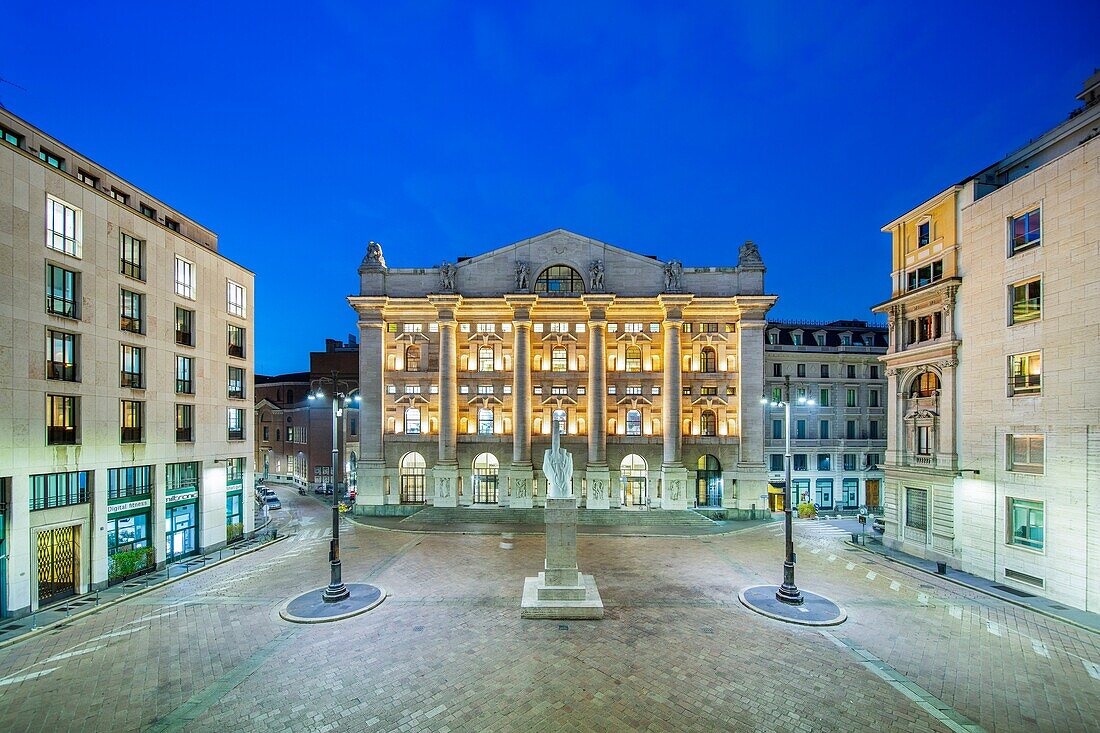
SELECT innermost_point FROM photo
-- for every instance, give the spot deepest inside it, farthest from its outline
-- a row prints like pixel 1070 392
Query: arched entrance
pixel 632 481
pixel 412 478
pixel 708 481
pixel 486 469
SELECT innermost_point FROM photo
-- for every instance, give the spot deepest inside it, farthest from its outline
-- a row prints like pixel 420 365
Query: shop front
pixel 129 549
pixel 181 524
pixel 234 516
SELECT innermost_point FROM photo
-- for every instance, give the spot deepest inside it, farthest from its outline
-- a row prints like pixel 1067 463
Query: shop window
pixel 1027 523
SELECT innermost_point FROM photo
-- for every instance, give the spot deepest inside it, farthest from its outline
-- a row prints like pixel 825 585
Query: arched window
pixel 290 397
pixel 485 359
pixel 708 422
pixel 632 481
pixel 559 280
pixel 412 420
pixel 412 478
pixel 655 362
pixel 708 360
pixel 580 425
pixel 484 421
pixel 536 427
pixel 561 419
pixel 633 422
pixel 486 469
pixel 633 359
pixel 559 359
pixel 708 481
pixel 412 358
pixel 925 385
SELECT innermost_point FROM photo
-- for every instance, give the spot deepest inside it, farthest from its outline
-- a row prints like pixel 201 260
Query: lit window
pixel 484 389
pixel 86 177
pixel 235 383
pixel 62 292
pixel 234 423
pixel 235 299
pixel 708 361
pixel 185 327
pixel 1027 301
pixel 633 389
pixel 559 390
pixel 922 276
pixel 633 422
pixel 131 309
pixel 184 371
pixel 632 327
pixel 559 359
pixel 1027 523
pixel 708 423
pixel 559 280
pixel 633 359
pixel 708 391
pixel 559 327
pixel 655 328
pixel 64 226
pixel 485 359
pixel 1025 374
pixel 185 424
pixel 708 328
pixel 484 421
pixel 235 340
pixel 1026 453
pixel 61 419
pixel 131 368
pixel 61 356
pixel 924 233
pixel 415 389
pixel 1024 232
pixel 412 421
pixel 185 278
pixel 485 327
pixel 133 421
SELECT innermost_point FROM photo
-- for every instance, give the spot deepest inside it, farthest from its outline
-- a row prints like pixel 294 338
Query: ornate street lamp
pixel 341 399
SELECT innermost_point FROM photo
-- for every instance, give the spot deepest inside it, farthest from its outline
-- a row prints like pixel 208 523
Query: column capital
pixel 522 305
pixel 369 308
pixel 674 304
pixel 753 309
pixel 446 305
pixel 597 304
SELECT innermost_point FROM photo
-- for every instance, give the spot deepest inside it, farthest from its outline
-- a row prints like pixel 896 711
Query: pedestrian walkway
pixel 1017 596
pixel 470 526
pixel 13 629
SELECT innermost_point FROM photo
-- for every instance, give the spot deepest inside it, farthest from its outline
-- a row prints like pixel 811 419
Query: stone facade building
pixel 992 466
pixel 126 343
pixel 838 443
pixel 653 370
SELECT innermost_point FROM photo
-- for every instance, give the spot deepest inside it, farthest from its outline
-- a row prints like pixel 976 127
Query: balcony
pixel 922 461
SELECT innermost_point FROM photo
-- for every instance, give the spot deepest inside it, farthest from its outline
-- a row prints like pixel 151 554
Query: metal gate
pixel 56 564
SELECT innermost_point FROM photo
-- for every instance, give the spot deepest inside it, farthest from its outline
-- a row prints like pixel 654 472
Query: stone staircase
pixel 595 517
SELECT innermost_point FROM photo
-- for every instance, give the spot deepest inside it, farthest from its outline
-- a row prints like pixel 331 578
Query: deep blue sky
pixel 299 133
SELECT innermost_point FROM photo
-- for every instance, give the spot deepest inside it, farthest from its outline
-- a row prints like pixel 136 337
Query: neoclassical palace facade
pixel 653 370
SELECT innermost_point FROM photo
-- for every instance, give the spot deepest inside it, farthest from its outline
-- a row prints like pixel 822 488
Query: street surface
pixel 448 651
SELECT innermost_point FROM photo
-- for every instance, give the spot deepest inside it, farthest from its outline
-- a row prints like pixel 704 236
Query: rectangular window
pixel 61 419
pixel 131 366
pixel 185 278
pixel 1024 232
pixel 800 429
pixel 234 299
pixel 776 462
pixel 708 391
pixel 632 327
pixel 59 489
pixel 185 423
pixel 558 327
pixel 484 422
pixel 414 389
pixel 267 433
pixel 824 371
pixel 234 471
pixel 1027 523
pixel 800 462
pixel 131 257
pixel 796 339
pixel 132 421
pixel 851 371
pixel 824 435
pixel 824 462
pixel 823 398
pixel 708 328
pixel 1027 301
pixel 655 328
pixel 874 429
pixel 87 178
pixel 235 341
pixel 184 371
pixel 172 224
pixel 924 440
pixel 926 275
pixel 581 328
pixel 131 316
pixel 63 226
pixel 777 395
pixel 851 492
pixel 10 137
pixel 685 327
pixel 50 159
pixel 234 420
pixel 850 460
pixel 801 370
pixel 146 210
pixel 633 389
pixel 852 399
pixel 391 328
pixel 777 370
pixel 419 327
pixel 1025 374
pixel 916 508
pixel 235 383
pixel 685 391
pixel 185 327
pixel 874 371
pixel 924 233
pixel 120 196
pixel 850 430
pixel 488 389
pixel 1026 453
pixel 127 483
pixel 181 476
pixel 61 356
pixel 777 429
pixel 819 339
pixel 558 360
pixel 872 398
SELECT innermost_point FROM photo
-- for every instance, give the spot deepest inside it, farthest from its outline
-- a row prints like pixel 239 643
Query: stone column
pixel 752 482
pixel 445 472
pixel 521 474
pixel 947 438
pixel 597 473
pixel 371 468
pixel 675 492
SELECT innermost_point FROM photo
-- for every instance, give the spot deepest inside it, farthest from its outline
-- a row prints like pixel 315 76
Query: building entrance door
pixel 485 489
pixel 632 491
pixel 57 554
pixel 871 487
pixel 708 481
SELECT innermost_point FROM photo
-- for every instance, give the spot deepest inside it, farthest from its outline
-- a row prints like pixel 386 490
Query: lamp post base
pixel 814 611
pixel 311 607
pixel 335 593
pixel 790 595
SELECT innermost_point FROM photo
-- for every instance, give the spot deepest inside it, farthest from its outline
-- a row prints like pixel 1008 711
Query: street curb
pixel 983 591
pixel 285 615
pixel 835 621
pixel 114 602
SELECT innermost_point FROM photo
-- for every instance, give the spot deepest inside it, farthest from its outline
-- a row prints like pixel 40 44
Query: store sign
pixel 127 506
pixel 182 497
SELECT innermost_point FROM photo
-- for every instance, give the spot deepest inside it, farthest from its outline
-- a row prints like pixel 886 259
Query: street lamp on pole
pixel 788 592
pixel 336 590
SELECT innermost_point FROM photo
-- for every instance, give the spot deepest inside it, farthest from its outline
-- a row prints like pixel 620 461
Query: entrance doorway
pixel 632 481
pixel 57 564
pixel 181 531
pixel 412 478
pixel 486 469
pixel 708 481
pixel 871 487
pixel 775 498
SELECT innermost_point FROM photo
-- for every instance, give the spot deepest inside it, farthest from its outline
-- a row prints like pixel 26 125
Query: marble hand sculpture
pixel 557 464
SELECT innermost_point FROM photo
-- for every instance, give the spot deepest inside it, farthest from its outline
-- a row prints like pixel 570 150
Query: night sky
pixel 300 133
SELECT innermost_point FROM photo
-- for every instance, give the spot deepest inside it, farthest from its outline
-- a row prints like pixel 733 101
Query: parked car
pixel 879 525
pixel 325 489
pixel 272 501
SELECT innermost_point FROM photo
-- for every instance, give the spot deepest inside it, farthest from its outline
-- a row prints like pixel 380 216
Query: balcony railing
pixel 60 306
pixel 185 435
pixel 129 492
pixel 64 496
pixel 922 460
pixel 60 370
pixel 186 338
pixel 1027 383
pixel 133 380
pixel 60 435
pixel 130 323
pixel 131 435
pixel 236 434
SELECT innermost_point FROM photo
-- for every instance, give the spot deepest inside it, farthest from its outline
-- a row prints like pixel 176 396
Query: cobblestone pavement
pixel 448 651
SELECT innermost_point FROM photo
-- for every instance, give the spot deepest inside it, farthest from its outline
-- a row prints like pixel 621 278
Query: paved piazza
pixel 448 651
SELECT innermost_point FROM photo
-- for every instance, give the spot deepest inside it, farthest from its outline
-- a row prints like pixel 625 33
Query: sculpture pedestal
pixel 675 492
pixel 561 591
pixel 599 488
pixel 446 485
pixel 523 480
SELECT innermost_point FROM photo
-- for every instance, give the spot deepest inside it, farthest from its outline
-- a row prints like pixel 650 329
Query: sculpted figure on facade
pixel 597 489
pixel 595 272
pixel 674 270
pixel 374 256
pixel 750 255
pixel 523 276
pixel 447 273
pixel 557 464
pixel 521 488
pixel 443 487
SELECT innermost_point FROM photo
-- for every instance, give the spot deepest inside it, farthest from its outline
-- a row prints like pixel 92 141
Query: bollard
pixel 941 568
pixel 506 540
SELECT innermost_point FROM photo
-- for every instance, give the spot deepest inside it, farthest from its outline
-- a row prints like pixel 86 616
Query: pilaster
pixel 597 473
pixel 371 467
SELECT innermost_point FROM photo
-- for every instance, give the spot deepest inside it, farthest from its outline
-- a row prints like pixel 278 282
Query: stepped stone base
pixel 561 602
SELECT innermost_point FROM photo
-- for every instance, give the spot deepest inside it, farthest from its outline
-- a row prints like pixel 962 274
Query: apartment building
pixel 838 437
pixel 993 465
pixel 126 347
